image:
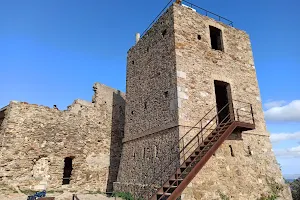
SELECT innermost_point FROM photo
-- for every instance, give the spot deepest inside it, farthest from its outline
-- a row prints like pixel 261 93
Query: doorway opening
pixel 67 170
pixel 223 101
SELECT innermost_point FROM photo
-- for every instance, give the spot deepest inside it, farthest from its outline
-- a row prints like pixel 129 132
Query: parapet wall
pixel 37 139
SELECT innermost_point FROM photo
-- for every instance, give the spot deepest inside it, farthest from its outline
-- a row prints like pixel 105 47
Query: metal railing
pixel 209 13
pixel 237 111
pixel 74 197
pixel 193 6
pixel 181 176
pixel 157 17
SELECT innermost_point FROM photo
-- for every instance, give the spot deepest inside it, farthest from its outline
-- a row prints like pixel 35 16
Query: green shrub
pixel 223 196
pixel 123 195
pixel 295 188
pixel 275 189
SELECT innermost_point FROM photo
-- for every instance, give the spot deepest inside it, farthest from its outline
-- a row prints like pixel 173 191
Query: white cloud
pixel 277 137
pixel 272 104
pixel 290 112
pixel 293 152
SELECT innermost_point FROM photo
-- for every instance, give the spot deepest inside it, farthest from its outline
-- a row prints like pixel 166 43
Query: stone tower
pixel 185 66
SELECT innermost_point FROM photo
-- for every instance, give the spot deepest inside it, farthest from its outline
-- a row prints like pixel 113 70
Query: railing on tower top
pixel 193 6
pixel 238 111
pixel 208 13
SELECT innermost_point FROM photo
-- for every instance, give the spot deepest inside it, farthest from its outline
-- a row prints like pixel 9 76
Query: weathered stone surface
pixel 36 139
pixel 186 66
pixel 151 108
pixel 246 173
pixel 170 86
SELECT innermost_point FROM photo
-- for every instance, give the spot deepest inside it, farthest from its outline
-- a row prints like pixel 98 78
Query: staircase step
pixel 187 163
pixel 193 159
pixel 169 189
pixel 182 169
pixel 163 196
pixel 171 181
pixel 221 129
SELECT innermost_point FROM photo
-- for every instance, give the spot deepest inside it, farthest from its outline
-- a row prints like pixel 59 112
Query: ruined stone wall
pixel 2 116
pixel 38 138
pixel 242 176
pixel 151 102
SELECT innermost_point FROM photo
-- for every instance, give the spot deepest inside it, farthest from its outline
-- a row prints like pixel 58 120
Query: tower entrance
pixel 67 170
pixel 223 101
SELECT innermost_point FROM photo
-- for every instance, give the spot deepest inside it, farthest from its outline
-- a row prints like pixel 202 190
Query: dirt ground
pixel 59 196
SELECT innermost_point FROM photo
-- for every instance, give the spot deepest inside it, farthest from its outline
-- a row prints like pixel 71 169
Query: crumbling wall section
pixel 37 139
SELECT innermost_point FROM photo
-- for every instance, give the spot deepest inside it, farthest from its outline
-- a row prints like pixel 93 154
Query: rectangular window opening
pixel 216 38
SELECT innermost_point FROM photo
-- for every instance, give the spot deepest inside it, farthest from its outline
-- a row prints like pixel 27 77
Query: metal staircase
pixel 192 156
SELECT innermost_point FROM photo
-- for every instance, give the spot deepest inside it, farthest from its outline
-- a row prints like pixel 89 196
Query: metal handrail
pixel 156 18
pixel 197 136
pixel 75 197
pixel 210 141
pixel 229 22
pixel 176 159
pixel 220 18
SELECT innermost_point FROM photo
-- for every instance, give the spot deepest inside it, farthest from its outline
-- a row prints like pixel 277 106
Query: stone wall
pixel 242 176
pixel 193 66
pixel 150 83
pixel 151 102
pixel 37 139
pixel 2 115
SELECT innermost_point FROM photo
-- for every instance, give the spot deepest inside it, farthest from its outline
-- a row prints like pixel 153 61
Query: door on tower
pixel 223 101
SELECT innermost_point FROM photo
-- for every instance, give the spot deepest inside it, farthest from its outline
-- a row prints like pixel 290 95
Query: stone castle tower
pixel 186 76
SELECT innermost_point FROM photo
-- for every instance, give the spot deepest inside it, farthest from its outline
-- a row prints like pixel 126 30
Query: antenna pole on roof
pixel 179 2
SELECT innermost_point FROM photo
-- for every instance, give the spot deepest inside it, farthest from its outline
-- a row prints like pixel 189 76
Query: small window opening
pixel 199 37
pixel 144 153
pixel 145 105
pixel 164 33
pixel 249 151
pixel 166 94
pixel 133 62
pixel 67 171
pixel 133 155
pixel 216 38
pixel 231 151
pixel 147 49
pixel 132 112
pixel 155 151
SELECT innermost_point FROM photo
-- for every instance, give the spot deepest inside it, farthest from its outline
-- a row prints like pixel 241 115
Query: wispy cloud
pixel 272 104
pixel 293 152
pixel 277 137
pixel 286 113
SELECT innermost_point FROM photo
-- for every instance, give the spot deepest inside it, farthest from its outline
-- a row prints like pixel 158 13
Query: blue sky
pixel 52 51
